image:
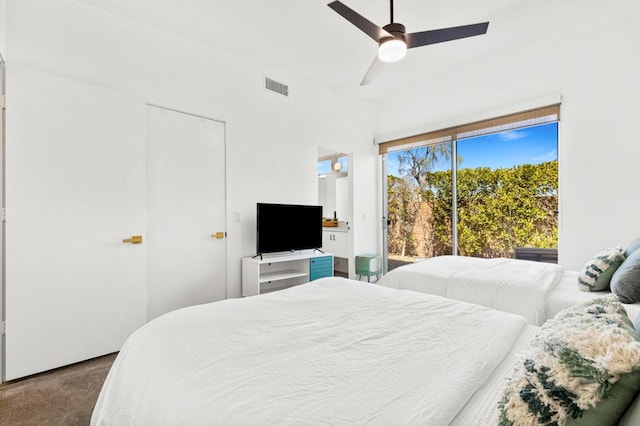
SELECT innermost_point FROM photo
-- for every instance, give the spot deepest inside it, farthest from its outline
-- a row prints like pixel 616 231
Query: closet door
pixel 185 194
pixel 74 191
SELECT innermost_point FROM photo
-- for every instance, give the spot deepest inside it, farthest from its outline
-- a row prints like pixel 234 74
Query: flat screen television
pixel 288 227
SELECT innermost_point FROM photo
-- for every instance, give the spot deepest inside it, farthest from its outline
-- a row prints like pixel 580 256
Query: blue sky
pixel 531 145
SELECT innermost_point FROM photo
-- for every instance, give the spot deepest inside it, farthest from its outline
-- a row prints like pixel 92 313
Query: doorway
pixel 335 197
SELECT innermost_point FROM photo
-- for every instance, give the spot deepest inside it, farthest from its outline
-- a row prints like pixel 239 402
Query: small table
pixel 368 265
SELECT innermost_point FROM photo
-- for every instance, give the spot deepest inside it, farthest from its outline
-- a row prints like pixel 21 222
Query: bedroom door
pixel 186 210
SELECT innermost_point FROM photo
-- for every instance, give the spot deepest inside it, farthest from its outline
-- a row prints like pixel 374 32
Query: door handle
pixel 135 239
pixel 218 235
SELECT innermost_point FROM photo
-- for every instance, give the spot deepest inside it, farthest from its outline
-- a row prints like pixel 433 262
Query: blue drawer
pixel 320 267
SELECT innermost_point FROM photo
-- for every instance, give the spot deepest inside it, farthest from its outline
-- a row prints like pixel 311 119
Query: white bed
pixel 535 290
pixel 566 293
pixel 334 351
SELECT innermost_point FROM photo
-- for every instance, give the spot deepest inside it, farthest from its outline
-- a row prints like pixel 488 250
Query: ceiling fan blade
pixel 445 34
pixel 368 27
pixel 373 71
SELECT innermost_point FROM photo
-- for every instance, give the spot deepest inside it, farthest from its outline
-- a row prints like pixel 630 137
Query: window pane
pixel 336 164
pixel 419 203
pixel 324 167
pixel 507 191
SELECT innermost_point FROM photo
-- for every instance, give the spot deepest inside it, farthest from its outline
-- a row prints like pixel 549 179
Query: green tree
pixel 418 162
pixel 401 215
pixel 414 166
pixel 439 195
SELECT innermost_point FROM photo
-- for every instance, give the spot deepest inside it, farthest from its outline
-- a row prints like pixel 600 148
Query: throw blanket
pixel 510 285
pixel 334 351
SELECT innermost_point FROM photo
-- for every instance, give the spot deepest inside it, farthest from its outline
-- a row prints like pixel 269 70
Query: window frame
pixel 527 118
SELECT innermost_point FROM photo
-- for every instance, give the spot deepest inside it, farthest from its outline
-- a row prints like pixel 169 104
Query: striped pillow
pixel 583 367
pixel 596 274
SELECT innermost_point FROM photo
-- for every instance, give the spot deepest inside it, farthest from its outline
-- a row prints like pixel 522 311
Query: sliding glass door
pixel 477 194
pixel 418 227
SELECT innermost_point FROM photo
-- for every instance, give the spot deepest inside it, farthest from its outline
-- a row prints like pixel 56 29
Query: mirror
pixel 333 187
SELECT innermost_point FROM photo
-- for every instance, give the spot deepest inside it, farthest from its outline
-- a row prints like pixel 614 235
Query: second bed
pixel 535 290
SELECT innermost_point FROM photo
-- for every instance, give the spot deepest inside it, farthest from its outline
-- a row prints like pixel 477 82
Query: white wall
pixel 367 216
pixel 272 141
pixel 2 50
pixel 596 74
pixel 2 54
pixel 3 26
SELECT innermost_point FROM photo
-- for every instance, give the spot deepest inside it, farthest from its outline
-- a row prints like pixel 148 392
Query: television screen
pixel 287 227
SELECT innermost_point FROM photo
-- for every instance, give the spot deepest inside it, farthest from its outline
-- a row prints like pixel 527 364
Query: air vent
pixel 276 86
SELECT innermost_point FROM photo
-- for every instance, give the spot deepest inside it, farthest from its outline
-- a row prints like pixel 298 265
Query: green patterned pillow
pixel 583 367
pixel 596 274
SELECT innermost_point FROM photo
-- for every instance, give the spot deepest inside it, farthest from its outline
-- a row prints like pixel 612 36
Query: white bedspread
pixel 566 294
pixel 334 351
pixel 510 285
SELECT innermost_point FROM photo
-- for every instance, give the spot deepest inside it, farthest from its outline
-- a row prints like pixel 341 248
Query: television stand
pixel 277 272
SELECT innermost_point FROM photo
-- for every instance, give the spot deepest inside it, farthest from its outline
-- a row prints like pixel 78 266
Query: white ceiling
pixel 312 41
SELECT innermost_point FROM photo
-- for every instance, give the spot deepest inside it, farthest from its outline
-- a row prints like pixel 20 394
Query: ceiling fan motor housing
pixel 398 31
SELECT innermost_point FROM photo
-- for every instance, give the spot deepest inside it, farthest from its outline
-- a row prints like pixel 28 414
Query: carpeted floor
pixel 61 397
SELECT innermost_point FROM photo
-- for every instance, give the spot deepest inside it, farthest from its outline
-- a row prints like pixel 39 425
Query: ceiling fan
pixel 393 40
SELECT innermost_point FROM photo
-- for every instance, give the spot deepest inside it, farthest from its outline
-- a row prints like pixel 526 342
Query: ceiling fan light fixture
pixel 392 50
pixel 393 39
